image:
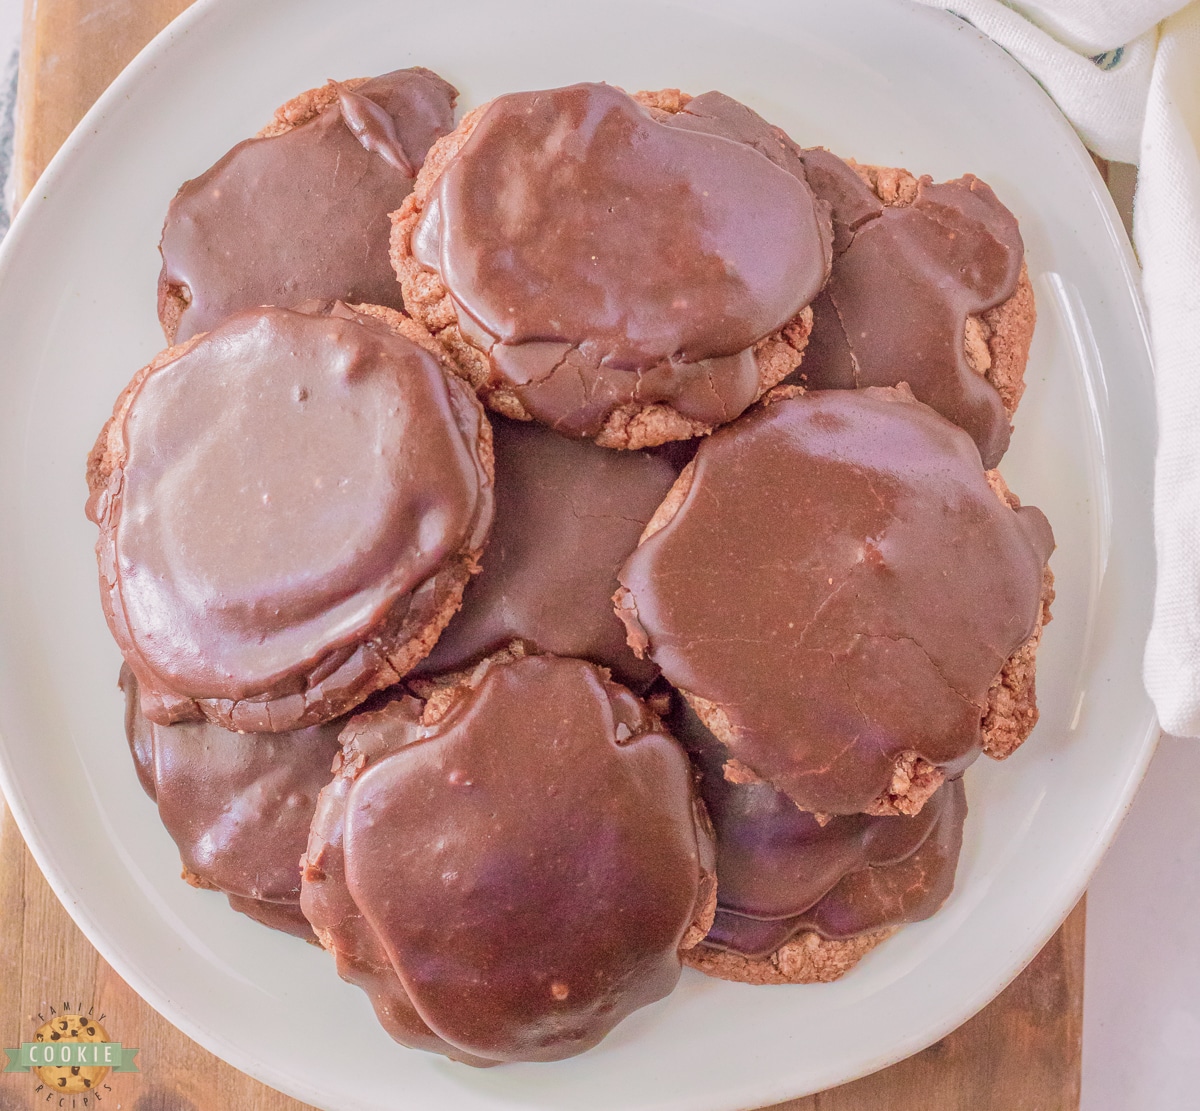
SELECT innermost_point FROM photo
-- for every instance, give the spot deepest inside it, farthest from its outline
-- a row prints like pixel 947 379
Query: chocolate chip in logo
pixel 55 1035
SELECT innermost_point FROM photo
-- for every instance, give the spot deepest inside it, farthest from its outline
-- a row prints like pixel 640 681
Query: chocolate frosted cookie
pixel 928 287
pixel 301 210
pixel 237 805
pixel 631 270
pixel 289 507
pixel 844 599
pixel 513 866
pixel 568 514
pixel 799 901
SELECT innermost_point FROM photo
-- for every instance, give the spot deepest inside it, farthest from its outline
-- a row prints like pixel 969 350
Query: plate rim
pixel 229 1051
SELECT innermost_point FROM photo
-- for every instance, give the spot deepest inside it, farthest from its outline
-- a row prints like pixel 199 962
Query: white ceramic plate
pixel 878 79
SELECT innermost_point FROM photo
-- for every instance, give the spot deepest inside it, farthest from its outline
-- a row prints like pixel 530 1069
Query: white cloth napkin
pixel 1127 75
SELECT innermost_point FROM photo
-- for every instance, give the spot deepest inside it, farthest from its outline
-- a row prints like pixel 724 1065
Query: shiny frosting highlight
pixel 780 871
pixel 237 805
pixel 904 280
pixel 304 214
pixel 292 484
pixel 840 585
pixel 603 254
pixel 530 862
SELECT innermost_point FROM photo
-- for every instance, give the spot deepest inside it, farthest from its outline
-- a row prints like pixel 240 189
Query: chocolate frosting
pixel 249 548
pixel 869 899
pixel 904 280
pixel 336 920
pixel 288 918
pixel 304 214
pixel 237 805
pixel 568 514
pixel 604 255
pixel 530 862
pixel 869 589
pixel 780 871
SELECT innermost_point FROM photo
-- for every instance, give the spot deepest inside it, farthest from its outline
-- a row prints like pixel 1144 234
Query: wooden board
pixel 1022 1053
pixel 45 962
pixel 70 52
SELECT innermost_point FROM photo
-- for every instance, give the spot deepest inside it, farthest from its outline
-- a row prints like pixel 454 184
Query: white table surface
pixel 1141 1042
pixel 1141 1000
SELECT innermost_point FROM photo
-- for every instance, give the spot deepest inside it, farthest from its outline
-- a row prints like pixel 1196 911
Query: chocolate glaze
pixel 375 129
pixel 336 920
pixel 904 281
pixel 530 862
pixel 603 255
pixel 780 871
pixel 870 587
pixel 304 214
pixel 287 917
pixel 870 899
pixel 237 805
pixel 248 548
pixel 775 860
pixel 568 514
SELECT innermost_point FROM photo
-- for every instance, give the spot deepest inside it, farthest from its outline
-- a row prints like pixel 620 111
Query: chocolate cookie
pixel 301 211
pixel 513 866
pixel 628 270
pixel 928 287
pixel 568 514
pixel 799 900
pixel 289 506
pixel 837 589
pixel 237 805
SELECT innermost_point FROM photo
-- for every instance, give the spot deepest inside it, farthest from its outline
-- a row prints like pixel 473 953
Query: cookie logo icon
pixel 71 1055
pixel 71 1029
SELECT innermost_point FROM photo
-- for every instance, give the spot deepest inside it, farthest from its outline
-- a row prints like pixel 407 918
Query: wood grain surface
pixel 70 52
pixel 1022 1053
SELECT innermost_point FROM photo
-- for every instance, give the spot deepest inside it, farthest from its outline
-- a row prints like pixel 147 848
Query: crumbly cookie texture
pixel 914 780
pixel 997 341
pixel 440 692
pixel 172 301
pixel 304 106
pixel 398 643
pixel 808 958
pixel 629 427
pixel 1011 711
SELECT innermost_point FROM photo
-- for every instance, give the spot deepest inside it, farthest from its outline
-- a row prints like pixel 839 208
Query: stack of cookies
pixel 569 545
